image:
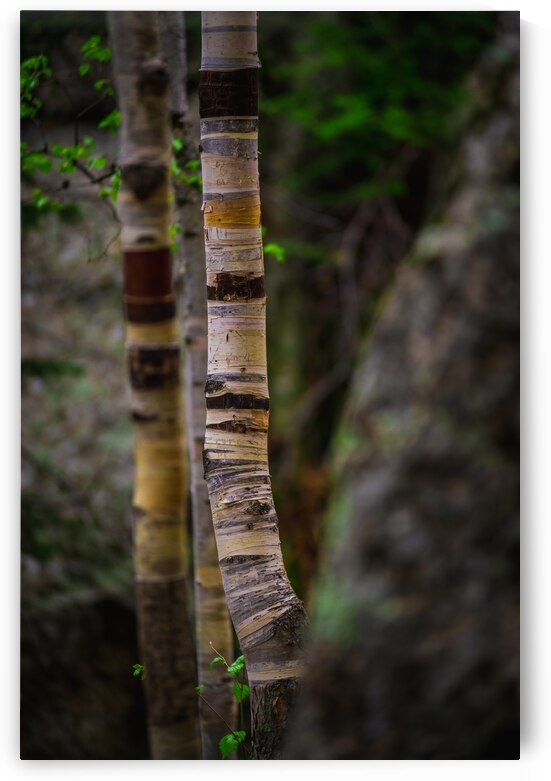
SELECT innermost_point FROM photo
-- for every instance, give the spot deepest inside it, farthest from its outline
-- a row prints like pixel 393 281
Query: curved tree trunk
pixel 212 620
pixel 267 615
pixel 153 352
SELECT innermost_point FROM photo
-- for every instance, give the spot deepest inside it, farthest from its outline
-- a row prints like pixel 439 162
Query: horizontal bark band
pixel 237 401
pixel 229 28
pixel 237 211
pixel 231 146
pixel 148 274
pixel 237 427
pixel 154 312
pixel 151 368
pixel 225 127
pixel 217 382
pixel 228 93
pixel 232 287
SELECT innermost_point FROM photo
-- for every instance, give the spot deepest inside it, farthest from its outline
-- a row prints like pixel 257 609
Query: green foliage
pixel 33 71
pixel 112 190
pixel 241 691
pixel 230 743
pixel 276 250
pixel 237 667
pixel 50 368
pixel 174 231
pixel 138 671
pixel 343 78
pixel 67 159
pixel 112 121
pixel 185 175
pixel 94 50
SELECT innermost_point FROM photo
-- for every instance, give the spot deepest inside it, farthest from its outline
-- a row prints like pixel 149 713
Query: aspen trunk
pixel 153 353
pixel 212 621
pixel 267 615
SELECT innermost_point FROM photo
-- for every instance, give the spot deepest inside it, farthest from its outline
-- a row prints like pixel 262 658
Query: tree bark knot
pixel 143 179
pixel 153 78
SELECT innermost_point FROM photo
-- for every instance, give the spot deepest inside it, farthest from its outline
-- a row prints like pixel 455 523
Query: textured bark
pixel 417 617
pixel 212 620
pixel 268 617
pixel 153 354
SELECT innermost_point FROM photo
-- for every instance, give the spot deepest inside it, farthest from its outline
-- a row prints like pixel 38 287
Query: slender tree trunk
pixel 153 352
pixel 267 615
pixel 212 620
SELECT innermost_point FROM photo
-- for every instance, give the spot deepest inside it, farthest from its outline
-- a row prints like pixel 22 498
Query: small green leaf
pixel 276 250
pixel 84 69
pixel 66 167
pixel 213 662
pixel 229 743
pixel 112 121
pixel 193 165
pixel 138 671
pixel 198 688
pixel 240 691
pixel 98 162
pixel 177 144
pixel 235 667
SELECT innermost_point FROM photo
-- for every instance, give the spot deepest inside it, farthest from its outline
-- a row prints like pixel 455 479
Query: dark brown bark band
pixel 236 427
pixel 234 287
pixel 237 401
pixel 148 274
pixel 228 93
pixel 154 312
pixel 151 368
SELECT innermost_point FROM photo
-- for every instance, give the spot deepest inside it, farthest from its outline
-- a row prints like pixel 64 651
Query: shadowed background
pixel 389 141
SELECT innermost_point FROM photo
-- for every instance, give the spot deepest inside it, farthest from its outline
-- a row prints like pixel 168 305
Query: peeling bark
pixel 267 615
pixel 153 355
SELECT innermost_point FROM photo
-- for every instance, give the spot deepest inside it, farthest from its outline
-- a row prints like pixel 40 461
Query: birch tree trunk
pixel 212 620
pixel 153 353
pixel 267 615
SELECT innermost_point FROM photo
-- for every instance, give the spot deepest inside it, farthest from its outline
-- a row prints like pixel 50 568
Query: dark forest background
pixel 361 119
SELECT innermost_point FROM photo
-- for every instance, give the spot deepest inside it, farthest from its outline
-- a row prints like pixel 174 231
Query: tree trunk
pixel 417 616
pixel 212 620
pixel 267 615
pixel 153 353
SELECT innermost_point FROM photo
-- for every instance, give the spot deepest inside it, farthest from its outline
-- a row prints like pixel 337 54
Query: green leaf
pixel 235 667
pixel 66 167
pixel 177 144
pixel 30 161
pixel 98 162
pixel 276 250
pixel 111 121
pixel 93 50
pixel 138 671
pixel 240 691
pixel 193 165
pixel 198 688
pixel 84 69
pixel 213 662
pixel 229 743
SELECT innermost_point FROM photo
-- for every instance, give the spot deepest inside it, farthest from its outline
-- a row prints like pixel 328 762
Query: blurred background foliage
pixel 358 110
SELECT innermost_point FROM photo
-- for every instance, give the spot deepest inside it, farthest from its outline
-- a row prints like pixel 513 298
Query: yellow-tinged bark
pixel 153 354
pixel 268 617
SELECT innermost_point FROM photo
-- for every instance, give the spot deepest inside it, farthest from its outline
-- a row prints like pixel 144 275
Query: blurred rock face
pixel 416 652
